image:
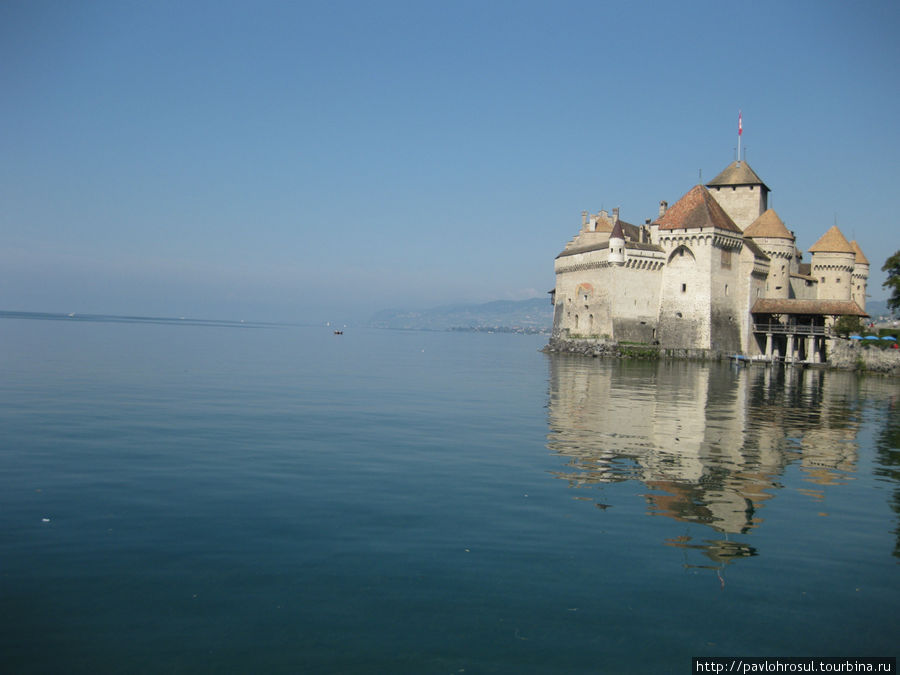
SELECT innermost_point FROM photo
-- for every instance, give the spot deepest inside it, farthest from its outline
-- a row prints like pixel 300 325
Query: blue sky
pixel 324 160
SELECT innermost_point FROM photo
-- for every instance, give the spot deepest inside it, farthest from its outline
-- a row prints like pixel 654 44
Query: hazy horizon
pixel 332 160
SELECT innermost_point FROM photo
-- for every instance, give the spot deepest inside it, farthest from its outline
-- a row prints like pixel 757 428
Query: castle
pixel 717 270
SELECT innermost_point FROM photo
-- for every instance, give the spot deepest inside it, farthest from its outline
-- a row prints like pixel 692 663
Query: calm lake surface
pixel 182 498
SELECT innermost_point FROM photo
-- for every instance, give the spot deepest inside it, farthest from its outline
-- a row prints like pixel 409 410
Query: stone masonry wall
pixel 857 355
pixel 744 204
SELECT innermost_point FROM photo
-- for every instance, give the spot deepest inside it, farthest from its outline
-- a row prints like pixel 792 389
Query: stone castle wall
pixel 690 287
pixel 743 203
pixel 834 272
pixel 857 355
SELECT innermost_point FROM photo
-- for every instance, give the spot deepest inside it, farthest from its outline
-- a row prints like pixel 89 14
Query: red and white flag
pixel 740 123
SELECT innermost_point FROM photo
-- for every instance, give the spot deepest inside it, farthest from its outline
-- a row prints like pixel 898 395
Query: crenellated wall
pixel 834 272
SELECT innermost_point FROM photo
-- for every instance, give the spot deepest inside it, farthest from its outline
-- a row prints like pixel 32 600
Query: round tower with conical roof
pixel 833 262
pixel 617 245
pixel 860 276
pixel 770 234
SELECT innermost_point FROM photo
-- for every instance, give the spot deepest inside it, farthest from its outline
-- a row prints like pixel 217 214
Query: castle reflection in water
pixel 711 442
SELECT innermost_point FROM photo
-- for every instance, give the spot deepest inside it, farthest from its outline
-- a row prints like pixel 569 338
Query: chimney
pixel 583 218
pixel 663 205
pixel 615 215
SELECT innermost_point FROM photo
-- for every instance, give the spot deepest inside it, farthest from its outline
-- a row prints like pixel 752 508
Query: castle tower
pixel 833 262
pixel 769 233
pixel 698 302
pixel 617 245
pixel 740 192
pixel 860 277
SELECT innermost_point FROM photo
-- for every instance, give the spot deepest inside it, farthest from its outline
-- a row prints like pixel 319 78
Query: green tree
pixel 892 267
pixel 846 325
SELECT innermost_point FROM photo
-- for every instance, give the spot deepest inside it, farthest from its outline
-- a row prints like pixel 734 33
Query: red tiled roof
pixel 737 173
pixel 832 241
pixel 860 256
pixel 768 225
pixel 807 307
pixel 697 209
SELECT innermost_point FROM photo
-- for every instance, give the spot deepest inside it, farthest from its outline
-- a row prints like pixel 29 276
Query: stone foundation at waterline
pixel 610 349
pixel 842 354
pixel 857 355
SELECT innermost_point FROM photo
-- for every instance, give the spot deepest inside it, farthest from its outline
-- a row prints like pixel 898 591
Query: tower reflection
pixel 711 442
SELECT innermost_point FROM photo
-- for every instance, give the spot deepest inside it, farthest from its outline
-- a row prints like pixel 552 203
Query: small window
pixel 822 280
pixel 683 288
pixel 726 289
pixel 838 280
pixel 678 314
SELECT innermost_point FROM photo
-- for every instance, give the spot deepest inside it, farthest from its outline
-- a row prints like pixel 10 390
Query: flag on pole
pixel 740 123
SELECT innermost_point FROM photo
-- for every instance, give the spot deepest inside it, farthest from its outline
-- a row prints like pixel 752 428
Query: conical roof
pixel 737 173
pixel 768 225
pixel 861 259
pixel 832 242
pixel 695 210
pixel 617 232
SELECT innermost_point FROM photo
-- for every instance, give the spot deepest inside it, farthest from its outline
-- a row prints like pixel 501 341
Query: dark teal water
pixel 193 498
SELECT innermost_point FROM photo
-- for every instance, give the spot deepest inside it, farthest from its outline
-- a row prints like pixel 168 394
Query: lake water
pixel 181 498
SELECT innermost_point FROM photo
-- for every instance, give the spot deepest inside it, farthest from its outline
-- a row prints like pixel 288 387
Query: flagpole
pixel 740 131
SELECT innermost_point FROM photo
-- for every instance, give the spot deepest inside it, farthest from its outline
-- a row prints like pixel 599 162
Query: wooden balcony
pixel 792 329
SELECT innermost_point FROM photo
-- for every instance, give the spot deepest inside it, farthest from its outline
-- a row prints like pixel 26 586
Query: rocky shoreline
pixel 842 354
pixel 857 355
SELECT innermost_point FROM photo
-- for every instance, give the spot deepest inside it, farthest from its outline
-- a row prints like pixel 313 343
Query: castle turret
pixel 617 245
pixel 833 262
pixel 860 276
pixel 740 192
pixel 769 233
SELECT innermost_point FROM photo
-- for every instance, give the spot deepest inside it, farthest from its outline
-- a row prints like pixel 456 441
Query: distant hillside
pixel 524 316
pixel 877 308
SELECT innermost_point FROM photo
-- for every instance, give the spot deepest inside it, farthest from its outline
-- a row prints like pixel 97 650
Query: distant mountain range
pixel 534 315
pixel 877 308
pixel 513 316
